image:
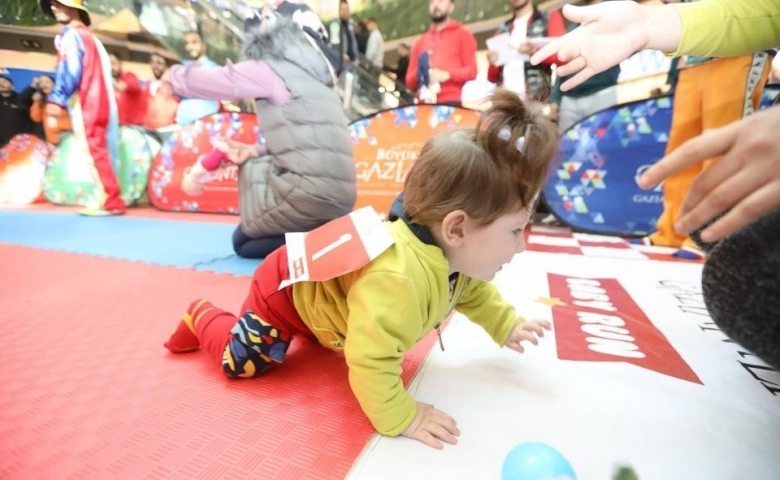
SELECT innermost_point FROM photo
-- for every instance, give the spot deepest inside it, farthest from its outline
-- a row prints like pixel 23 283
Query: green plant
pixel 23 13
pixel 625 473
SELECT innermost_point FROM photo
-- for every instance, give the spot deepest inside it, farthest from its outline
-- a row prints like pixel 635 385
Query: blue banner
pixel 770 94
pixel 592 186
pixel 23 77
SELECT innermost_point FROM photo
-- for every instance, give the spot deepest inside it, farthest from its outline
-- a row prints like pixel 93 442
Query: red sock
pixel 213 331
pixel 203 326
pixel 183 338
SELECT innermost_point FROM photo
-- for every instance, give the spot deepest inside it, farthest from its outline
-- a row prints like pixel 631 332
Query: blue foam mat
pixel 202 246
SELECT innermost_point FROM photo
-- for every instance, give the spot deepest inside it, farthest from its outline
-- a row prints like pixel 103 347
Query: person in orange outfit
pixel 710 93
pixel 161 102
pixel 52 126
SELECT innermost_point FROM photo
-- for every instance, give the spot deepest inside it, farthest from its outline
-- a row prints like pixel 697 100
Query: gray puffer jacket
pixel 308 175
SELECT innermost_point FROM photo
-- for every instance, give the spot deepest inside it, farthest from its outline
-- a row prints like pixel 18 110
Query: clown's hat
pixel 77 4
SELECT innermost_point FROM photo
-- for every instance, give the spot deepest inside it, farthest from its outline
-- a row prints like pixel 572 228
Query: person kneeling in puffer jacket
pixel 301 173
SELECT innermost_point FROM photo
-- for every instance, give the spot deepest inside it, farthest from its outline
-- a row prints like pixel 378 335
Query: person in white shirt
pixel 527 23
pixel 375 48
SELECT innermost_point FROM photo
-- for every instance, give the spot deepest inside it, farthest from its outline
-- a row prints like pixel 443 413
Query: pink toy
pixel 212 160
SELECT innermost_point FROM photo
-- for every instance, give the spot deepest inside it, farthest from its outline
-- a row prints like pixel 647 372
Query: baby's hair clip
pixel 520 144
pixel 505 134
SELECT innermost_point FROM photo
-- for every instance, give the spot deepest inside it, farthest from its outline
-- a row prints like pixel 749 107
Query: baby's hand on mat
pixel 527 331
pixel 432 427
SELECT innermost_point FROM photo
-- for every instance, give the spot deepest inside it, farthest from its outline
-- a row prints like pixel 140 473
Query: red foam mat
pixel 88 391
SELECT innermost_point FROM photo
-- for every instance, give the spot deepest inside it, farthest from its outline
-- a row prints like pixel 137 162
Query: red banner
pixel 181 151
pixel 385 146
pixel 596 320
pixel 22 168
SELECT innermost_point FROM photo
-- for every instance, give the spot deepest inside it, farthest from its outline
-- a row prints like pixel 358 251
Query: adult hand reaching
pixel 608 34
pixel 745 181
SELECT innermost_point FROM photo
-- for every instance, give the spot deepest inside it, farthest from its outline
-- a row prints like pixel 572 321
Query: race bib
pixel 339 247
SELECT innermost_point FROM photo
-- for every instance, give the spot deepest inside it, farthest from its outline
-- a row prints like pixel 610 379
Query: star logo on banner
pixel 551 302
pixel 407 116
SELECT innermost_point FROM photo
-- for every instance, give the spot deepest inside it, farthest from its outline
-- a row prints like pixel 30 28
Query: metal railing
pixel 366 89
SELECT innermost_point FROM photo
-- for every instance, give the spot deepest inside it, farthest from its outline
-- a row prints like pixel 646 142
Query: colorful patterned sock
pixel 254 345
pixel 183 338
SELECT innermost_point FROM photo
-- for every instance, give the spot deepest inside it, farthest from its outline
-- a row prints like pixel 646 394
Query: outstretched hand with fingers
pixel 526 332
pixel 745 181
pixel 608 34
pixel 432 427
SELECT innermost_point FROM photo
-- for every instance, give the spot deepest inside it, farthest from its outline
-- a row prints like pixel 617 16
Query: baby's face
pixel 485 249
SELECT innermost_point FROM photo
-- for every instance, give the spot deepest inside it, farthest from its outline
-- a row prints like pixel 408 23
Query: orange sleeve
pixel 36 112
pixel 64 122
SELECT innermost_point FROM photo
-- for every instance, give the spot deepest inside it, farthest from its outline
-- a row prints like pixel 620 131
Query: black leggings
pixel 248 247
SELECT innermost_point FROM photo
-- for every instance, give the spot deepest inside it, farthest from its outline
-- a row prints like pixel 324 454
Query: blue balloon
pixel 536 461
